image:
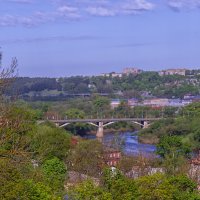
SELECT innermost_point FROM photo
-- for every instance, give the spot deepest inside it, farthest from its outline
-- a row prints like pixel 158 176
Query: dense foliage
pixel 186 125
pixel 130 86
pixel 117 187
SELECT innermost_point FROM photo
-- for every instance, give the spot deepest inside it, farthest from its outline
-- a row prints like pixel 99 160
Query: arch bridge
pixel 101 123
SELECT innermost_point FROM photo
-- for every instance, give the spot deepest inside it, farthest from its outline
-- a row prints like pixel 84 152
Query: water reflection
pixel 131 145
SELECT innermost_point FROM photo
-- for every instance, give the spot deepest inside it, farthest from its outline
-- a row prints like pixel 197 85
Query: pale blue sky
pixel 85 37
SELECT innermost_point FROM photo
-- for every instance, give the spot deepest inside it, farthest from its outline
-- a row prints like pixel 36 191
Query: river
pixel 131 145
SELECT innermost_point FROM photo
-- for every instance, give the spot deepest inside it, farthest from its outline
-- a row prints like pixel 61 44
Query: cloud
pixel 178 5
pixel 101 11
pixel 38 17
pixel 126 7
pixel 50 38
pixel 62 10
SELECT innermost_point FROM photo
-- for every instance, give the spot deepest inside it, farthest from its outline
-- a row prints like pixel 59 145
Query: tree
pixel 49 142
pixel 75 113
pixel 87 158
pixel 55 173
pixel 15 184
pixel 88 190
pixel 173 152
pixel 76 128
pixel 17 125
pixel 161 187
pixel 172 145
pixel 101 106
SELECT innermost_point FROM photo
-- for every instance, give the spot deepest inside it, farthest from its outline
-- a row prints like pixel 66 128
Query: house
pixel 112 75
pixel 156 102
pixel 131 70
pixel 181 72
pixel 133 102
pixel 175 103
pixel 196 99
pixel 112 157
pixel 115 103
pixel 188 96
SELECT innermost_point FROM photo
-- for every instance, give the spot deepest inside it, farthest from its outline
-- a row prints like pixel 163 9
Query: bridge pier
pixel 145 124
pixel 100 130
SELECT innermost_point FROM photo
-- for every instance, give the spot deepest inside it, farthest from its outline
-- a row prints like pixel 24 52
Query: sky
pixel 58 38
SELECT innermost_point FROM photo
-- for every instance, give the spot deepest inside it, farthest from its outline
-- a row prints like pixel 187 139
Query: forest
pixel 129 86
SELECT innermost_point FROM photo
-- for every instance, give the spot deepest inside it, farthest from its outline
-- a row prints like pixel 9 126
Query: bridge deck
pixel 103 120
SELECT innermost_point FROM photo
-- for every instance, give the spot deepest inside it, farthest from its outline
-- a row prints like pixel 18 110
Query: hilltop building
pixel 112 75
pixel 134 71
pixel 181 72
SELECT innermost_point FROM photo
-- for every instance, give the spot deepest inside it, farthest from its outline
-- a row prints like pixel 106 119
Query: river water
pixel 131 145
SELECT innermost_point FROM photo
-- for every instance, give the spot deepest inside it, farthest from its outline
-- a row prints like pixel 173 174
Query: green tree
pixel 173 152
pixel 87 158
pixel 55 173
pixel 101 106
pixel 161 187
pixel 76 128
pixel 172 145
pixel 17 125
pixel 49 142
pixel 75 113
pixel 89 191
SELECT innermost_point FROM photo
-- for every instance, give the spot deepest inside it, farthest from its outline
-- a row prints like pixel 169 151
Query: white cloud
pixel 72 10
pixel 184 4
pixel 125 7
pixel 67 9
pixel 101 11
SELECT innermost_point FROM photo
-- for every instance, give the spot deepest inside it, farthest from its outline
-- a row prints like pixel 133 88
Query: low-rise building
pixel 132 70
pixel 112 75
pixel 133 102
pixel 115 103
pixel 188 96
pixel 156 102
pixel 175 103
pixel 181 72
pixel 196 99
pixel 112 157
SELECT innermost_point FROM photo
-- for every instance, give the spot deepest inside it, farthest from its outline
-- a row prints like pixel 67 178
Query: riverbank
pixel 148 139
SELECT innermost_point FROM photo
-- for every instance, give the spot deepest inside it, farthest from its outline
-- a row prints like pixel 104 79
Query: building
pixel 112 75
pixel 112 157
pixel 115 103
pixel 181 72
pixel 188 97
pixel 133 102
pixel 134 71
pixel 196 99
pixel 175 103
pixel 156 102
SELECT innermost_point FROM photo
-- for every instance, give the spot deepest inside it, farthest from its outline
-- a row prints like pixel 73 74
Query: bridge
pixel 101 123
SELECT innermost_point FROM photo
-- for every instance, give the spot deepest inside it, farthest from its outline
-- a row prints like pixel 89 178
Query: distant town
pixel 136 71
